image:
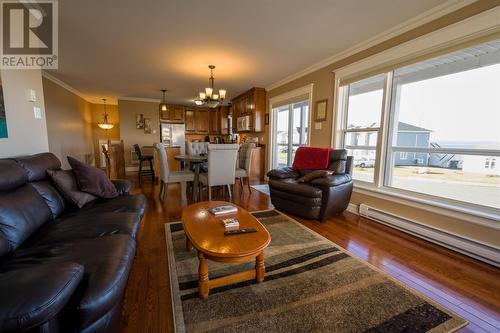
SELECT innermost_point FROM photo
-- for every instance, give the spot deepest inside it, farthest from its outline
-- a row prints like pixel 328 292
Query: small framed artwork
pixel 147 125
pixel 266 119
pixel 321 107
pixel 139 121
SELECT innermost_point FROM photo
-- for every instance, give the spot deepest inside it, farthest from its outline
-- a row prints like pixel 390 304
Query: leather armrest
pixel 333 180
pixel 34 295
pixel 123 186
pixel 282 173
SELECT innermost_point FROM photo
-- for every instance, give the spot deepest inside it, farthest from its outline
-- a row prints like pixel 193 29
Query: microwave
pixel 243 123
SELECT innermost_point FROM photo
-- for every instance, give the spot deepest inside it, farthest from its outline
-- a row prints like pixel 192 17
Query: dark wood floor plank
pixel 463 284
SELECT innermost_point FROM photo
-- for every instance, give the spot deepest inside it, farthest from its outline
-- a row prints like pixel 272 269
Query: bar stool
pixel 144 158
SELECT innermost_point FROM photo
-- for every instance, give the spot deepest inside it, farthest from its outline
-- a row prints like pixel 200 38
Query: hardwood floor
pixel 466 286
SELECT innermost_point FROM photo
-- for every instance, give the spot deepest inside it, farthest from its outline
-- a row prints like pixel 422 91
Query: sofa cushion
pixel 282 173
pixel 35 294
pixel 82 226
pixel 22 212
pixel 37 165
pixel 52 197
pixel 292 185
pixel 313 175
pixel 127 203
pixel 333 180
pixel 13 175
pixel 92 180
pixel 66 183
pixel 106 262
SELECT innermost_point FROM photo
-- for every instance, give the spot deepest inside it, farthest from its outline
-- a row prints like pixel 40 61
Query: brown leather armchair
pixel 318 199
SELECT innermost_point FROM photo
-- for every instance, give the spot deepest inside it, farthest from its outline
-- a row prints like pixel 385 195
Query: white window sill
pixel 468 212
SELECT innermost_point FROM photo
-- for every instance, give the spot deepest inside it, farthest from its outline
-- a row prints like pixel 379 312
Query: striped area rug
pixel 311 285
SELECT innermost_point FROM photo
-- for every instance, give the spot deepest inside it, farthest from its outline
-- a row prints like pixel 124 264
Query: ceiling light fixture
pixel 209 97
pixel 105 125
pixel 163 103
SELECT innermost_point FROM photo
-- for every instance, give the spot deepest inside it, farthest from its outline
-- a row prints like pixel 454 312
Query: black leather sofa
pixel 62 270
pixel 318 199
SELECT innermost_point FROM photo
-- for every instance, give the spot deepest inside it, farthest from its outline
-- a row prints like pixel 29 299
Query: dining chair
pixel 143 158
pixel 245 163
pixel 221 167
pixel 197 148
pixel 166 176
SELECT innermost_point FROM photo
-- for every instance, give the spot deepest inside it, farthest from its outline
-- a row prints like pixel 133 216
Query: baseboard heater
pixel 454 242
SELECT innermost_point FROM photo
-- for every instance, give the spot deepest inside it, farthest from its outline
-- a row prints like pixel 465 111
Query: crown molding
pixel 139 99
pixel 64 85
pixel 421 19
pixel 69 88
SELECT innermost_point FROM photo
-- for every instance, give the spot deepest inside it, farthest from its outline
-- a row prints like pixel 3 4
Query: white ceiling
pixel 134 48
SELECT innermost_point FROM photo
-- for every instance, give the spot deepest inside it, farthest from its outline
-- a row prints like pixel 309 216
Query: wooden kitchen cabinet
pixel 177 114
pixel 224 120
pixel 202 121
pixel 214 122
pixel 251 103
pixel 257 166
pixel 190 121
pixel 173 114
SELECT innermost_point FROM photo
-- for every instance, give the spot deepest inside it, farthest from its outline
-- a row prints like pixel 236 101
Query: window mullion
pixel 380 159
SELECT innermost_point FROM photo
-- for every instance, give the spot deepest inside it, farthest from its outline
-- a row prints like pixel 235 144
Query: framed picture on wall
pixel 139 121
pixel 147 125
pixel 3 117
pixel 321 107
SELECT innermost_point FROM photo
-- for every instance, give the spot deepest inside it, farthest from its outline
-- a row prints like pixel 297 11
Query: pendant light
pixel 105 125
pixel 163 104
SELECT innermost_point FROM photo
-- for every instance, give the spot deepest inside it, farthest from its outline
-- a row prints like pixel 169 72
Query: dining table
pixel 196 161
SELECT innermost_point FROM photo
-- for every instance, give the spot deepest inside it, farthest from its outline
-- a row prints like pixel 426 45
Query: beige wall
pixel 323 81
pixel 129 134
pixel 69 124
pixel 26 134
pixel 98 133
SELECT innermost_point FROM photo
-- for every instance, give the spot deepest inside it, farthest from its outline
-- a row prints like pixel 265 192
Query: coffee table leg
pixel 202 277
pixel 260 269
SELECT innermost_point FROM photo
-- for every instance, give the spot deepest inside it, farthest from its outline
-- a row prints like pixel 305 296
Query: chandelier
pixel 209 97
pixel 105 125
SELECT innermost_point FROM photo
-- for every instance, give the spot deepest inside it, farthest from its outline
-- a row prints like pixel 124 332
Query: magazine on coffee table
pixel 226 209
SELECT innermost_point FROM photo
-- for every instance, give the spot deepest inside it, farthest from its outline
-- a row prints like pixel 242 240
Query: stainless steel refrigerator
pixel 173 135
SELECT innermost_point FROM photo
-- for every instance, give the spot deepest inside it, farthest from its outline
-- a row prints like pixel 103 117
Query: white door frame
pixel 305 90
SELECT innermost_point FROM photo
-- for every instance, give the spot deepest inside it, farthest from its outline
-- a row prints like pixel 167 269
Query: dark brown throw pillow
pixel 92 180
pixel 66 184
pixel 315 174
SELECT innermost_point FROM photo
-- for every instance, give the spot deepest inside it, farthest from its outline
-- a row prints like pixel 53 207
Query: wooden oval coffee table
pixel 205 232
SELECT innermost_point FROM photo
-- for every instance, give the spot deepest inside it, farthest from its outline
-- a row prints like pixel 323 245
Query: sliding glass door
pixel 290 131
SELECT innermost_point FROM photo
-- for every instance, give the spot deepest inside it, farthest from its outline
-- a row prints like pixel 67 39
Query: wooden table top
pixel 192 158
pixel 206 231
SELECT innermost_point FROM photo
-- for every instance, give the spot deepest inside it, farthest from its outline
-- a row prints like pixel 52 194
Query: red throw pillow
pixel 92 180
pixel 311 158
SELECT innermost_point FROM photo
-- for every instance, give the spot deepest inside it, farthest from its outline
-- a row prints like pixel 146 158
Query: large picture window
pixel 442 128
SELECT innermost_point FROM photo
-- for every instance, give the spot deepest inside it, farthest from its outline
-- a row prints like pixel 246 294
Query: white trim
pixel 478 25
pixel 353 208
pixel 430 15
pixel 69 88
pixel 305 90
pixel 443 207
pixel 64 85
pixel 139 99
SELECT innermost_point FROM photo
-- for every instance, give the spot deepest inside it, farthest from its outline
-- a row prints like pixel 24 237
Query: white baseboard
pixel 353 208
